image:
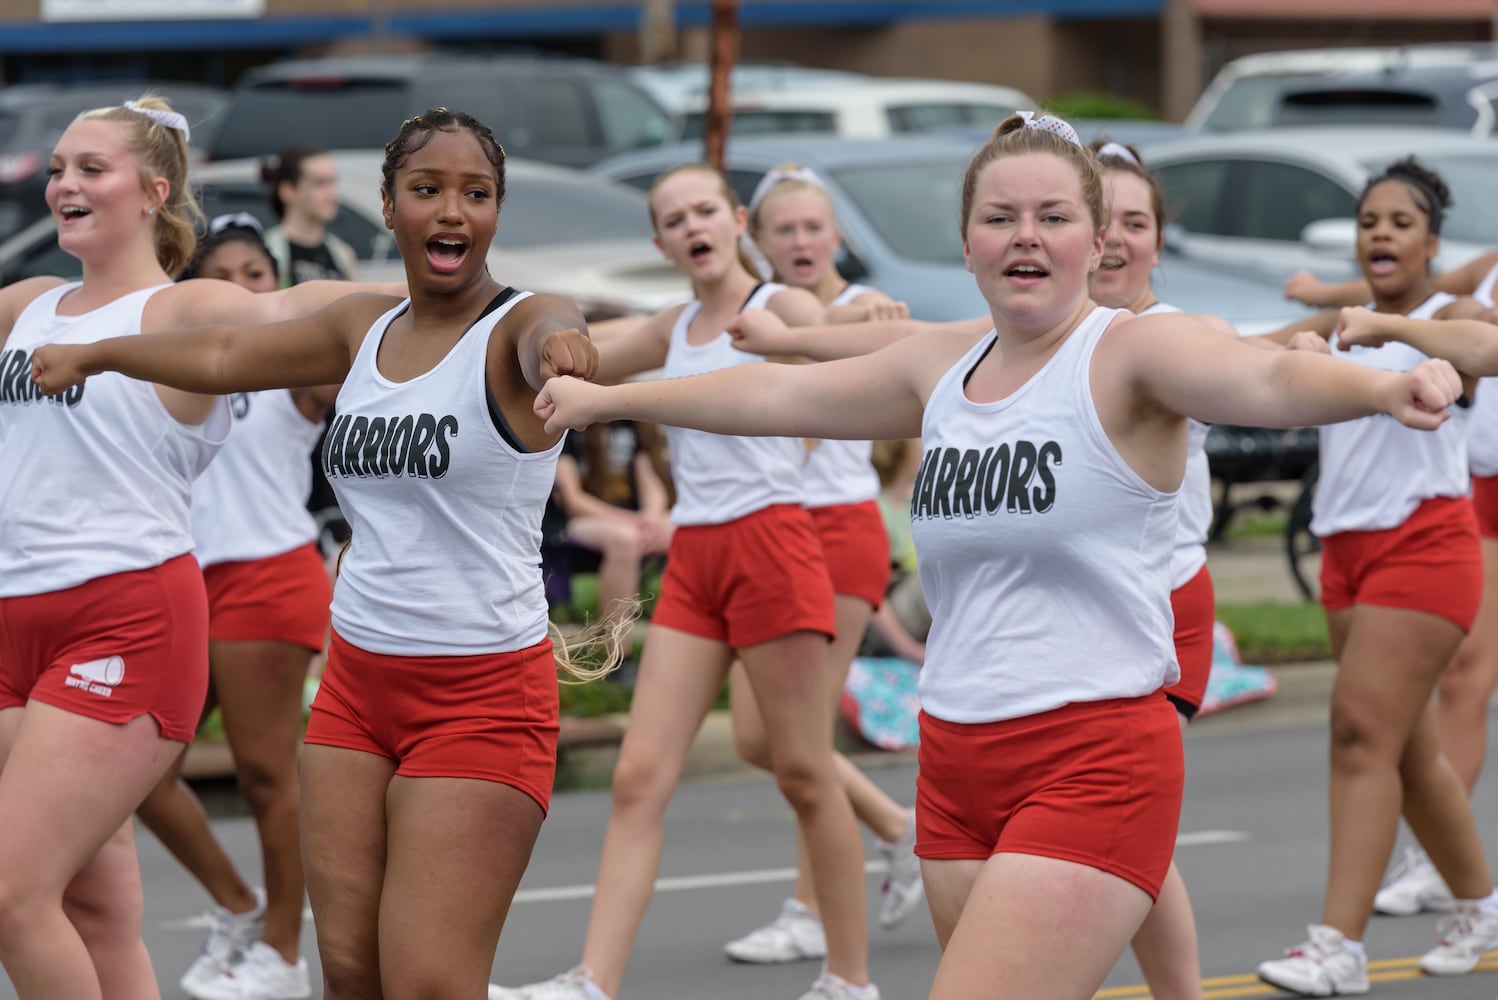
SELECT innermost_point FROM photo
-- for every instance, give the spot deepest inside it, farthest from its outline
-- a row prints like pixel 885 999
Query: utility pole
pixel 1180 58
pixel 725 50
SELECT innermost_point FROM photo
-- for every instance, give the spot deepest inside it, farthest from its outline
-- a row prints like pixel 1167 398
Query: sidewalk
pixel 1246 570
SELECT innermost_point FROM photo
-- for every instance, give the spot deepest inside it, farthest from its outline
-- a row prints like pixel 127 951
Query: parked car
pixel 1278 200
pixel 559 231
pixel 1443 86
pixel 872 108
pixel 677 85
pixel 570 112
pixel 898 203
pixel 32 119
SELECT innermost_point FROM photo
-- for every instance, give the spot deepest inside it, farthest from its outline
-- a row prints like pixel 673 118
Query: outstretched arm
pixel 1322 324
pixel 312 351
pixel 1470 343
pixel 877 396
pixel 760 332
pixel 1194 373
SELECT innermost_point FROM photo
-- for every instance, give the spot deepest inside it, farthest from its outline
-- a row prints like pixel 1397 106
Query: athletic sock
pixel 1488 904
pixel 1354 947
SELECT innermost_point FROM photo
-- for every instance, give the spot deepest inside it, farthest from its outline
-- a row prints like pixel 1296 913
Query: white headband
pixel 1051 124
pixel 166 119
pixel 767 183
pixel 777 175
pixel 1118 151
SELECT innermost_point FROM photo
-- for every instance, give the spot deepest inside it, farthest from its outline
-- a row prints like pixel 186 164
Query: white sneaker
pixel 1414 886
pixel 261 974
pixel 574 984
pixel 228 937
pixel 903 889
pixel 1464 936
pixel 1322 967
pixel 794 936
pixel 830 987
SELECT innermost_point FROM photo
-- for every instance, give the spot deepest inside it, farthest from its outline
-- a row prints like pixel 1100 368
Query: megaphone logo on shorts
pixel 97 676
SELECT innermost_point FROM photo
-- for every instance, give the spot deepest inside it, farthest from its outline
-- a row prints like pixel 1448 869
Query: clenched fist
pixel 568 352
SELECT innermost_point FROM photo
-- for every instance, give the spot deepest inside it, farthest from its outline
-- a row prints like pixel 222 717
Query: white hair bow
pixel 1051 124
pixel 167 119
pixel 1119 151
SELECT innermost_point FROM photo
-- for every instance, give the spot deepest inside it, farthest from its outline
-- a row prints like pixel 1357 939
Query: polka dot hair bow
pixel 1051 124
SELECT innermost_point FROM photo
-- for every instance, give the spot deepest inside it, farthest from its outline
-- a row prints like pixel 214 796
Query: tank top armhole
pixel 496 415
pixel 967 376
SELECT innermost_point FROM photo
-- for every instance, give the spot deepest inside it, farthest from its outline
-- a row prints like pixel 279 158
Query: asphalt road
pixel 1252 850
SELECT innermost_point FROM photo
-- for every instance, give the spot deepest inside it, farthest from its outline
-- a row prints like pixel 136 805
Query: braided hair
pixel 1431 195
pixel 417 132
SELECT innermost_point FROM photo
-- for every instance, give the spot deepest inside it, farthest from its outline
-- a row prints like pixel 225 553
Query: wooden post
pixel 1180 58
pixel 725 48
pixel 657 31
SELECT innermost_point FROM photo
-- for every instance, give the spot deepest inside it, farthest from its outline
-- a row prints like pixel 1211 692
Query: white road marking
pixel 688 883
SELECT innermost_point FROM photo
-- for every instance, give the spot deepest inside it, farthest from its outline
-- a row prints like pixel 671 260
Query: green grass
pixel 1253 523
pixel 1275 632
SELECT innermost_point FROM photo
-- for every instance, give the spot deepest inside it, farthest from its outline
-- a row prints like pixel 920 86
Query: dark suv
pixel 33 116
pixel 559 110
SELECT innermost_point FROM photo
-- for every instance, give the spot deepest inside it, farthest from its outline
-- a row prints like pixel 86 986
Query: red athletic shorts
pixel 284 598
pixel 1195 607
pixel 113 649
pixel 1431 563
pixel 493 716
pixel 1096 783
pixel 751 580
pixel 1485 500
pixel 856 547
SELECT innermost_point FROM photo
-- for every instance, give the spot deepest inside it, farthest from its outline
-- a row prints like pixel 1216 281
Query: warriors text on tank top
pixel 1190 553
pixel 1044 558
pixel 98 479
pixel 840 472
pixel 1374 470
pixel 1482 430
pixel 251 503
pixel 721 478
pixel 445 513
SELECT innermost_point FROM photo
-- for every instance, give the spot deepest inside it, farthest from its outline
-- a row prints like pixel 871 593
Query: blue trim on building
pixel 541 19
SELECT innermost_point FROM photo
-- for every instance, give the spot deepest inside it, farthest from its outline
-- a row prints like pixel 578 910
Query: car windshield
pixel 913 206
pixel 1473 216
pixel 1252 102
pixel 1360 106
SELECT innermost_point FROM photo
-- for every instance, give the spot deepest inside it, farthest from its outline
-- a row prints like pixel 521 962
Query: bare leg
pixel 343 841
pixel 175 816
pixel 1466 688
pixel 1389 661
pixel 618 541
pixel 1062 925
pixel 1166 946
pixel 457 850
pixel 67 788
pixel 260 693
pixel 792 694
pixel 680 676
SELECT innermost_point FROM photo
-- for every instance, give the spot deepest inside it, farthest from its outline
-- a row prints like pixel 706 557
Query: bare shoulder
pixel 15 298
pixel 1463 307
pixel 545 305
pixel 797 306
pixel 928 356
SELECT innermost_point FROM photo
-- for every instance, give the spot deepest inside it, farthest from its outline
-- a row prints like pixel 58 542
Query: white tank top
pixel 840 472
pixel 1190 552
pixel 97 481
pixel 1482 427
pixel 446 516
pixel 251 503
pixel 721 478
pixel 1375 471
pixel 1044 558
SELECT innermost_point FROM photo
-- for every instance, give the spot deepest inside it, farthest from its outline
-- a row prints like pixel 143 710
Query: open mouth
pixel 700 250
pixel 1027 272
pixel 446 252
pixel 1111 263
pixel 1382 262
pixel 71 213
pixel 803 261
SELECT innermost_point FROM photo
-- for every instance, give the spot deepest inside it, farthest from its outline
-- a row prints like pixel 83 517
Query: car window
pixel 752 122
pixel 546 211
pixel 331 114
pixel 1360 106
pixel 10 127
pixel 629 118
pixel 925 117
pixel 743 182
pixel 1276 201
pixel 559 114
pixel 44 257
pixel 1194 193
pixel 914 207
pixel 1474 197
